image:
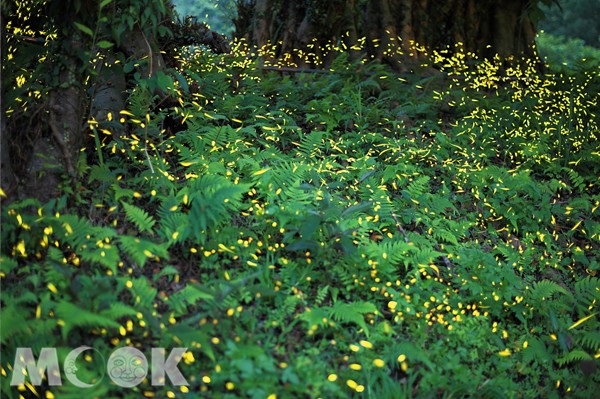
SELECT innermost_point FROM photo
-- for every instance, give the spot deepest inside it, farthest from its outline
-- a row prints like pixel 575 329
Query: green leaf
pixel 183 82
pixel 104 3
pixel 84 29
pixel 104 44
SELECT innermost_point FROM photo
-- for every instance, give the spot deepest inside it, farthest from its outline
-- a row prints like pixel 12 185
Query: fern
pixel 107 256
pixel 536 351
pixel 395 250
pixel 189 296
pixel 311 145
pixel 345 272
pixel 121 192
pixel 166 271
pixel 545 289
pixel 138 102
pixel 590 339
pixel 119 310
pixel 445 235
pixel 217 136
pixel 316 317
pixel 77 230
pixel 321 294
pixel 576 180
pixel 140 250
pixel 142 220
pixel 13 322
pixel 188 333
pixel 573 356
pixel 288 176
pixel 352 313
pixel 211 199
pixel 215 86
pixel 289 305
pixel 102 173
pixel 7 265
pixel 143 293
pixel 87 241
pixel 412 352
pixel 417 188
pixel 174 227
pixel 73 316
pixel 587 291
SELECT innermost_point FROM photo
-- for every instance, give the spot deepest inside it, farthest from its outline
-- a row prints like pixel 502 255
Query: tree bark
pixel 56 150
pixel 392 27
pixel 8 182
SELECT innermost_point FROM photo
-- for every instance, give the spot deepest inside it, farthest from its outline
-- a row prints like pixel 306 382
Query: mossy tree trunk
pixel 41 142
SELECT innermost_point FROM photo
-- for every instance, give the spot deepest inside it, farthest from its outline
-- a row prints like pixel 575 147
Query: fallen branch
pixel 399 226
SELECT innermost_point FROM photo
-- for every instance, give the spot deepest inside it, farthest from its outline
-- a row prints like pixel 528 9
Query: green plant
pixel 343 235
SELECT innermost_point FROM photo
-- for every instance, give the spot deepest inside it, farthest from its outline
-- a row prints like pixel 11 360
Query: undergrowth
pixel 346 234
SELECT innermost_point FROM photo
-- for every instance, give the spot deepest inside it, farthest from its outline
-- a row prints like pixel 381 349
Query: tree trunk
pixel 42 138
pixel 41 147
pixel 41 142
pixel 8 181
pixel 391 27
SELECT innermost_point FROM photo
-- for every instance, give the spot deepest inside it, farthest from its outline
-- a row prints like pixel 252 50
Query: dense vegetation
pixel 353 233
pixel 566 53
pixel 573 19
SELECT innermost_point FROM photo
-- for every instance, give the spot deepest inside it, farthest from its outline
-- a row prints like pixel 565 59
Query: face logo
pixel 71 367
pixel 127 367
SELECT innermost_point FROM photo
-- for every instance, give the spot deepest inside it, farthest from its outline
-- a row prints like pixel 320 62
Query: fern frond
pixel 76 230
pixel 188 296
pixel 315 317
pixel 573 356
pixel 212 198
pixel 214 86
pixel 412 352
pixel 591 340
pixel 352 313
pixel 321 294
pixel 142 220
pixel 73 316
pixel 545 289
pixel 13 322
pixel 118 310
pixel 140 250
pixel 536 351
pixel 190 335
pixel 417 187
pixel 289 305
pixel 137 102
pixel 107 256
pixel 587 291
pixel 174 226
pixel 83 238
pixel 396 250
pixel 146 293
pixel 311 146
pixel 101 173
